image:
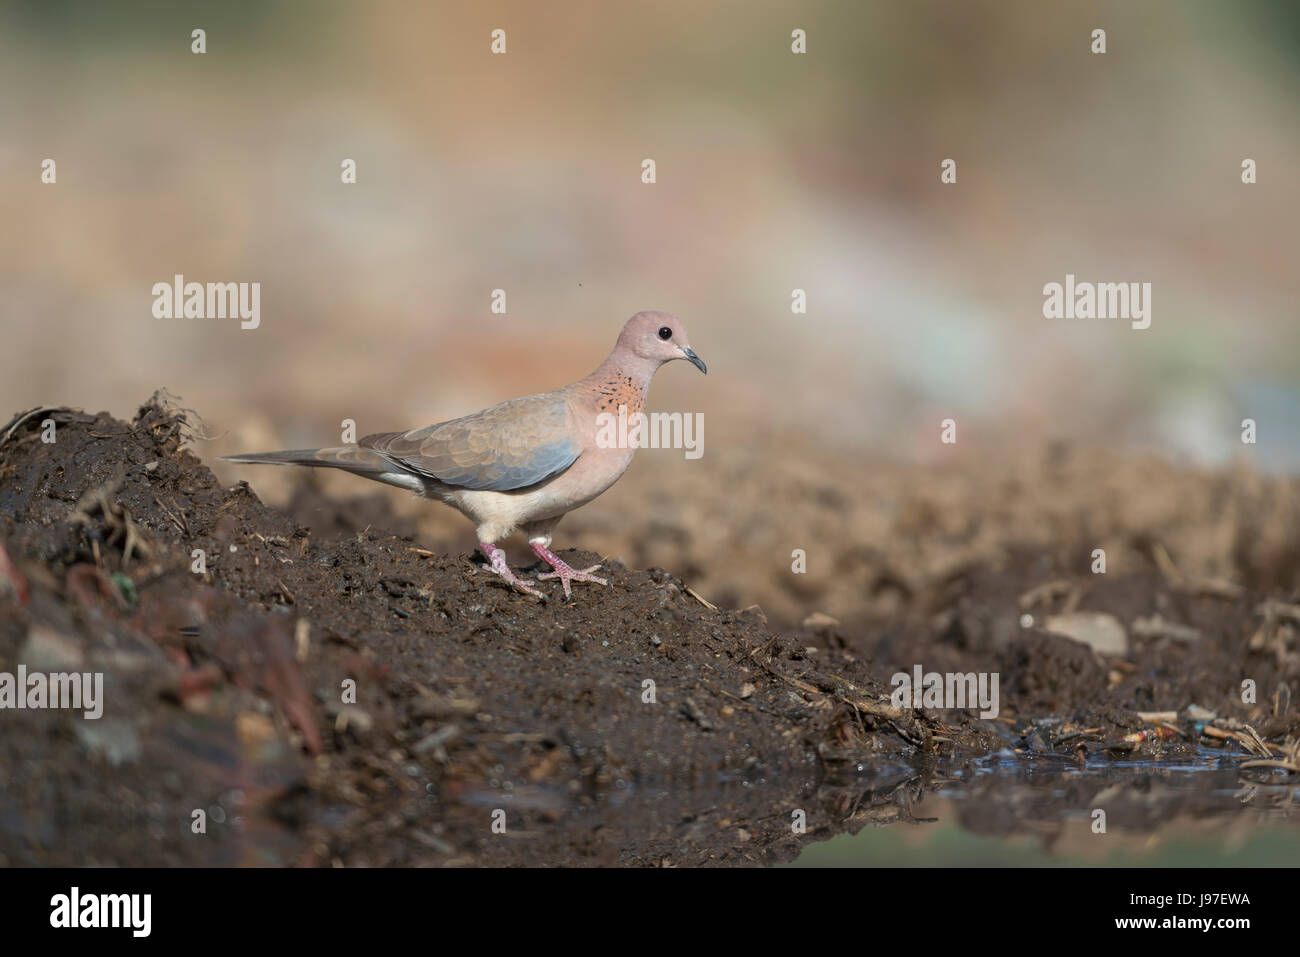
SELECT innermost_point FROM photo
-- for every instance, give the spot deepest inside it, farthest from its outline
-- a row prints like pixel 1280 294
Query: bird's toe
pixel 530 590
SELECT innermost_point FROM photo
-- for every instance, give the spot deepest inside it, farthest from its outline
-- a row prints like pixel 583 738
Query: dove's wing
pixel 508 446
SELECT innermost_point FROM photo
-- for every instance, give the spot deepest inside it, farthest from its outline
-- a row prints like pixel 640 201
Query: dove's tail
pixel 349 458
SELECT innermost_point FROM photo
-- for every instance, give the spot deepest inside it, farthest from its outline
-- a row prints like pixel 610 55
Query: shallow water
pixel 1008 809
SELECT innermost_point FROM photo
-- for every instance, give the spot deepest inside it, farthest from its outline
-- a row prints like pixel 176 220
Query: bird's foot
pixel 498 559
pixel 562 570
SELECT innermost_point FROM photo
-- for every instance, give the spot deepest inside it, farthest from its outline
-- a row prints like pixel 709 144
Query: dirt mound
pixel 273 694
pixel 360 699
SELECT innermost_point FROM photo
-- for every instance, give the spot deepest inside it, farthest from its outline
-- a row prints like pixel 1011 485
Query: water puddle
pixel 1009 809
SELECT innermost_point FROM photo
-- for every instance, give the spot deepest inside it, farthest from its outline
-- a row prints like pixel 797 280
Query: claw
pixel 573 575
pixel 499 566
pixel 529 590
pixel 562 570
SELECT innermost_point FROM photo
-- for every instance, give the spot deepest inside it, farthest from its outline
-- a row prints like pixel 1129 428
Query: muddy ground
pixel 327 689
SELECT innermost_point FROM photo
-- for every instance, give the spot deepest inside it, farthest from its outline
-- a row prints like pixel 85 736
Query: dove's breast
pixel 602 413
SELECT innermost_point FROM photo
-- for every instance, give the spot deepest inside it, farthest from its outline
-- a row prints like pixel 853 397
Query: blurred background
pixel 775 172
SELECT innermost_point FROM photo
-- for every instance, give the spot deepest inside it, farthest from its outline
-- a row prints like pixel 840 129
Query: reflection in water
pixel 1002 809
pixel 1006 809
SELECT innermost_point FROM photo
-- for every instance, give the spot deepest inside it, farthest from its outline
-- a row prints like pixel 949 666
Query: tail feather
pixel 349 458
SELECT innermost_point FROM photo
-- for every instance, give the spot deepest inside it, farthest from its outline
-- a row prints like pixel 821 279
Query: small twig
pixel 1155 626
pixel 1166 565
pixel 1278 609
pixel 23 417
pixel 1044 593
pixel 1155 717
pixel 1270 763
pixel 112 435
pixel 183 526
pixel 703 601
pixel 1216 588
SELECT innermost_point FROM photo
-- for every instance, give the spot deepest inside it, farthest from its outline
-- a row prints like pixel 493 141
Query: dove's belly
pixel 498 514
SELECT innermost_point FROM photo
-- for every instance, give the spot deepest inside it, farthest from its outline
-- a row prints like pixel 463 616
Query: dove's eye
pixel 665 333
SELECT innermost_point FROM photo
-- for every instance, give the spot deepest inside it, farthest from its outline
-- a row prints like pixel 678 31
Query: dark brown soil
pixel 226 689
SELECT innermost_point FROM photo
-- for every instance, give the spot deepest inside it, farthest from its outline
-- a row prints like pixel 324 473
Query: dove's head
pixel 658 337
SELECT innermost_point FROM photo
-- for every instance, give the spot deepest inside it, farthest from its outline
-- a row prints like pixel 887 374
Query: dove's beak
pixel 695 360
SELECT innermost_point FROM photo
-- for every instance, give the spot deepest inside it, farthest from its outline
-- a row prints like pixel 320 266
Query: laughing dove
pixel 523 464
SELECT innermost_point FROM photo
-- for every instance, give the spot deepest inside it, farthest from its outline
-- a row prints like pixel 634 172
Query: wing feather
pixel 509 446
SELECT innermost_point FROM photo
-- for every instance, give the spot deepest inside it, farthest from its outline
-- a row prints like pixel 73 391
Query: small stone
pixel 50 650
pixel 114 738
pixel 254 729
pixel 1099 631
pixel 820 620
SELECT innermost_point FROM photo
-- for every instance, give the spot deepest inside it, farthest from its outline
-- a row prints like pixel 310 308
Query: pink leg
pixel 498 559
pixel 562 570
